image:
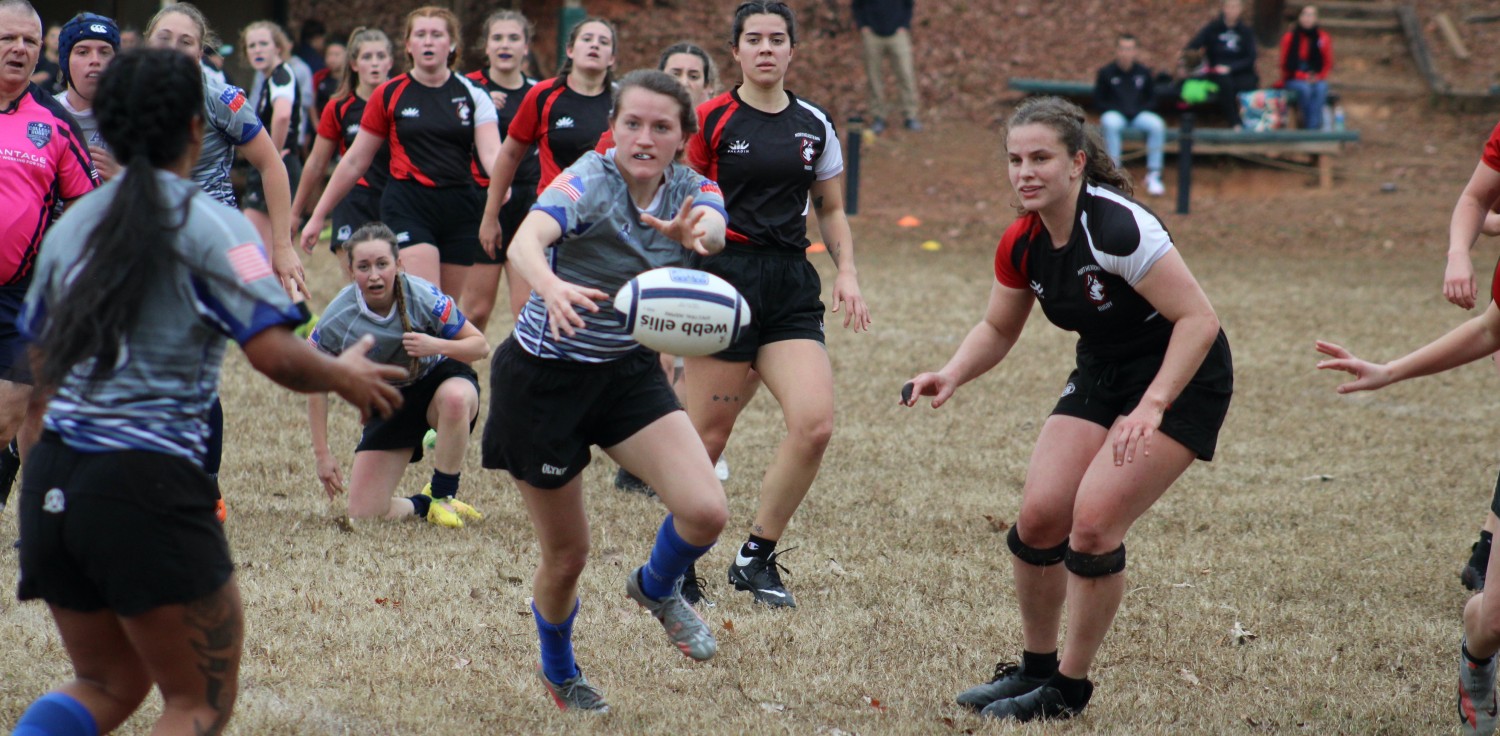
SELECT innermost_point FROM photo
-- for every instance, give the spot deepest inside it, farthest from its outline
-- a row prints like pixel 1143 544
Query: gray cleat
pixel 684 626
pixel 1476 695
pixel 574 693
pixel 1010 681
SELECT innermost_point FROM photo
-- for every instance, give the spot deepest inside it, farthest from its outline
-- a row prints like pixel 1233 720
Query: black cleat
pixel 1010 681
pixel 10 466
pixel 627 482
pixel 762 577
pixel 1042 704
pixel 692 586
pixel 1472 576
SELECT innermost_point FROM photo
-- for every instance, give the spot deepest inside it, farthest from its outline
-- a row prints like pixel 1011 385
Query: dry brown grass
pixel 1349 584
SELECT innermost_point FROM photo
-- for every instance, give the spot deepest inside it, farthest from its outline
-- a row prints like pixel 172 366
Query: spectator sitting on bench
pixel 1229 46
pixel 1126 95
pixel 1306 58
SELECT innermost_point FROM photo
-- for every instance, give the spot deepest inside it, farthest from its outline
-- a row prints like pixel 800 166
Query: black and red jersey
pixel 430 129
pixel 530 169
pixel 766 164
pixel 562 123
pixel 1088 285
pixel 340 123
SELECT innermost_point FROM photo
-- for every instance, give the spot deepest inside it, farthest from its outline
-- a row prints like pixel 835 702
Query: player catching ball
pixel 136 291
pixel 419 328
pixel 1148 394
pixel 571 377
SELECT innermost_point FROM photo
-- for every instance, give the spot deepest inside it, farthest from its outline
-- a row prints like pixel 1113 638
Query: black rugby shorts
pixel 406 428
pixel 1101 391
pixel 126 531
pixel 544 414
pixel 782 289
pixel 446 217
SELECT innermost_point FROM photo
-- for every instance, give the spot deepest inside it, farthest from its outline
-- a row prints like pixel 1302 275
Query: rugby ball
pixel 682 311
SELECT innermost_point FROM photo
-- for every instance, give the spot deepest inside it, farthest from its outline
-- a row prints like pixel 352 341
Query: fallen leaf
pixel 1188 675
pixel 460 663
pixel 834 567
pixel 343 523
pixel 873 703
pixel 772 707
pixel 728 625
pixel 1241 634
pixel 997 524
pixel 381 601
pixel 1182 585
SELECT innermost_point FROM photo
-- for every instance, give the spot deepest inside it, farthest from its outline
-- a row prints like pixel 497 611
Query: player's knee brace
pixel 1032 555
pixel 1095 566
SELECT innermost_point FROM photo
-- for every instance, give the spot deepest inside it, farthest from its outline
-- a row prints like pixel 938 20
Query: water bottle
pixel 1338 117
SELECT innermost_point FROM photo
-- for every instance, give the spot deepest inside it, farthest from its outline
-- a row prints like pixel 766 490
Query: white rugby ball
pixel 682 311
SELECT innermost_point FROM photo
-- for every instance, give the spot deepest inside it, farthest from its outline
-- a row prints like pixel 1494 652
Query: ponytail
pixel 147 100
pixel 1072 128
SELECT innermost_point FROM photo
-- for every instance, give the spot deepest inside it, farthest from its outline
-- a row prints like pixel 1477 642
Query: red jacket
pixel 1290 58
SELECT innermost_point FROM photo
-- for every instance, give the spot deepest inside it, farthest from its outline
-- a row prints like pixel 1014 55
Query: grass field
pixel 1331 528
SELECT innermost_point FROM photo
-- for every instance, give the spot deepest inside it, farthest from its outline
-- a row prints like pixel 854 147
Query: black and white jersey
pixel 281 85
pixel 530 169
pixel 1088 285
pixel 766 164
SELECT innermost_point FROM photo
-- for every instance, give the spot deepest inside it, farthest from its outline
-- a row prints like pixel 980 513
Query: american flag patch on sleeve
pixel 709 187
pixel 249 262
pixel 568 184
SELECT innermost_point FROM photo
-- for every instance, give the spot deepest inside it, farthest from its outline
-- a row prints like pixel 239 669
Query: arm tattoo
pixel 818 202
pixel 218 628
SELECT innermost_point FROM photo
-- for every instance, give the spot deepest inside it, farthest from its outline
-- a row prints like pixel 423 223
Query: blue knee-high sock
pixel 670 558
pixel 557 645
pixel 56 714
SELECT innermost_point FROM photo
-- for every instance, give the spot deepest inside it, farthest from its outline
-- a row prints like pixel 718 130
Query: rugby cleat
pixel 762 577
pixel 1476 695
pixel 452 505
pixel 685 628
pixel 1010 681
pixel 574 693
pixel 1042 704
pixel 628 482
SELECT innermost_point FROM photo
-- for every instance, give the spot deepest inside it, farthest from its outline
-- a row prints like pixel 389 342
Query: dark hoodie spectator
pixel 1228 45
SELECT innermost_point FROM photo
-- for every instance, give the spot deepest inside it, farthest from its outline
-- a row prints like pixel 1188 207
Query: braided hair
pixel 379 231
pixel 147 101
pixel 1072 128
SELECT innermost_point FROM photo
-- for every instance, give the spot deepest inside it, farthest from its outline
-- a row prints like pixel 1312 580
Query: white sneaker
pixel 721 469
pixel 1153 184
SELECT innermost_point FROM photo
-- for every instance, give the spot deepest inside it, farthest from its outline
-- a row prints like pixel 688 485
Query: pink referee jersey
pixel 43 162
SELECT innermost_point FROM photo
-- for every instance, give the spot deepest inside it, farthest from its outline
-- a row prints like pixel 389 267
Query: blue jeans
pixel 1156 135
pixel 1311 97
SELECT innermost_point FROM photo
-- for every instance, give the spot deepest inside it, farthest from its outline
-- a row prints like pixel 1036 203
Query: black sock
pixel 10 466
pixel 444 485
pixel 758 547
pixel 1076 693
pixel 420 503
pixel 1474 659
pixel 1039 665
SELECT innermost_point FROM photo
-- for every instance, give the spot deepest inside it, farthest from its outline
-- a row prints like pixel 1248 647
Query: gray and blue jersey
pixel 348 318
pixel 603 245
pixel 231 122
pixel 158 396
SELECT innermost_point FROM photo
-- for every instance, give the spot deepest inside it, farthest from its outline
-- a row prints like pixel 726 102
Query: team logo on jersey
pixel 233 98
pixel 741 147
pixel 53 502
pixel 39 133
pixel 1094 289
pixel 411 112
pixel 1069 389
pixel 352 130
pixel 569 185
pixel 564 122
pixel 344 232
pixel 809 152
pixel 463 112
pixel 403 237
pixel 553 469
pixel 1036 287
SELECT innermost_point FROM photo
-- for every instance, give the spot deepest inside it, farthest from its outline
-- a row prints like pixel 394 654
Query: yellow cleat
pixel 452 507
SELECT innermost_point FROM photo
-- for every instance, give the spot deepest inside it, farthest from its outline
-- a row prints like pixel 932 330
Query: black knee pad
pixel 1095 566
pixel 1033 556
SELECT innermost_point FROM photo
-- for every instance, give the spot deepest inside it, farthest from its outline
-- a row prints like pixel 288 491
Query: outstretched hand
pixel 1368 376
pixel 685 228
pixel 561 299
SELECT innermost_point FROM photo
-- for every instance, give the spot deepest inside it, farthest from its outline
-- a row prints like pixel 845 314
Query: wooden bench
pixel 1266 147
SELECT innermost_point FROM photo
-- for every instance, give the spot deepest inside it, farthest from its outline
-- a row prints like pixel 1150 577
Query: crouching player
pixel 417 327
pixel 570 376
